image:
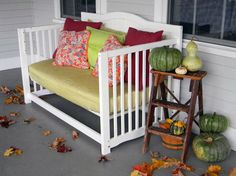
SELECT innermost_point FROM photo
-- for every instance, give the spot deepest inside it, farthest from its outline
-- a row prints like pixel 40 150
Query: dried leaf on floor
pixel 14 96
pixel 18 152
pixel 177 172
pixel 8 152
pixel 14 114
pixel 154 154
pixel 137 173
pixel 8 100
pixel 63 148
pixel 4 89
pixel 103 158
pixel 12 150
pixel 75 135
pixel 5 122
pixel 3 118
pixel 29 120
pixel 57 142
pixel 19 90
pixel 232 172
pixel 214 168
pixel 46 132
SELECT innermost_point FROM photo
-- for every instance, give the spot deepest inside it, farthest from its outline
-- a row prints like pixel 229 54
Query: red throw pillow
pixel 136 37
pixel 71 25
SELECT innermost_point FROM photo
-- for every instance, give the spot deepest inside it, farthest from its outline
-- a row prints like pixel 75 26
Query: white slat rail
pixel 129 115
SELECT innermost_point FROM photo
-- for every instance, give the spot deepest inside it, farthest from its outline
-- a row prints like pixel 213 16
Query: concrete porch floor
pixel 39 160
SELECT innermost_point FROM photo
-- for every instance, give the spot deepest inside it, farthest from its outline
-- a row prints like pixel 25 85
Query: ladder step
pixel 170 105
pixel 161 131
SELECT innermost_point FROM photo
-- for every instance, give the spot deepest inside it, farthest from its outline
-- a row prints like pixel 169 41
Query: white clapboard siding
pixel 142 8
pixel 43 12
pixel 15 5
pixel 13 14
pixel 219 86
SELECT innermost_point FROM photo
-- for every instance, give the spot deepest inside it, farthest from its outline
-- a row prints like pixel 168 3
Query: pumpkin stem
pixel 214 114
pixel 209 140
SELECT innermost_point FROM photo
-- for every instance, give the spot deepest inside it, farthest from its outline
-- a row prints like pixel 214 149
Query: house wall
pixel 18 14
pixel 43 12
pixel 219 89
pixel 139 7
pixel 13 14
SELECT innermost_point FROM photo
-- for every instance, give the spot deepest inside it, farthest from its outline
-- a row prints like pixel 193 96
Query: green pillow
pixel 96 41
pixel 120 35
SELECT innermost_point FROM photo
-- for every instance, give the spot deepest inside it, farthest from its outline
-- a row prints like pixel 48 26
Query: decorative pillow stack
pixel 73 44
pixel 112 43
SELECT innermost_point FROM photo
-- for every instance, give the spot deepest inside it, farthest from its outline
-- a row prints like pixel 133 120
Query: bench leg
pixel 105 149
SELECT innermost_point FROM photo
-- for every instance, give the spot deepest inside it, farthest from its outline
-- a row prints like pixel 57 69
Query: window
pixel 73 8
pixel 212 21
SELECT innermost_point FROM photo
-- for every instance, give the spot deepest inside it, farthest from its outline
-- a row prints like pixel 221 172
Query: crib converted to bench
pixel 122 107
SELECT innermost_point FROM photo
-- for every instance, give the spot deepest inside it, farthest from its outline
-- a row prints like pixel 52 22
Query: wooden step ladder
pixel 189 107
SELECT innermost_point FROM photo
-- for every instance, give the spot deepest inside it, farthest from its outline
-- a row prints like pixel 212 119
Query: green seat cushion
pixel 97 40
pixel 75 85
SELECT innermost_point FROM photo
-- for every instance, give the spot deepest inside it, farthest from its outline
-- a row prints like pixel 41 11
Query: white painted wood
pixel 160 9
pixel 57 7
pixel 9 63
pixel 136 90
pixel 44 44
pixel 129 93
pixel 24 65
pixel 122 92
pixel 66 118
pixel 142 8
pixel 50 43
pixel 104 101
pixel 114 96
pixel 144 89
pixel 129 136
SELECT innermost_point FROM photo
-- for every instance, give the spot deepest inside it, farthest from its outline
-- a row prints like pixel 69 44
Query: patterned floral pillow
pixel 112 43
pixel 72 49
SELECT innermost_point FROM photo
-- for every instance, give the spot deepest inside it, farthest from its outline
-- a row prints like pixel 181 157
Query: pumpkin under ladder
pixel 189 107
pixel 161 131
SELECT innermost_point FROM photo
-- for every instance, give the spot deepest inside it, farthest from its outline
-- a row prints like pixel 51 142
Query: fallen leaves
pixel 12 150
pixel 213 170
pixel 147 169
pixel 75 135
pixel 232 172
pixel 103 158
pixel 63 148
pixel 4 89
pixel 14 114
pixel 58 145
pixel 29 120
pixel 57 142
pixel 15 95
pixel 5 122
pixel 46 132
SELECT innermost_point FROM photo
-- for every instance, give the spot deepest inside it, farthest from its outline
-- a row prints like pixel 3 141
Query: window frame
pixel 222 42
pixel 101 8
